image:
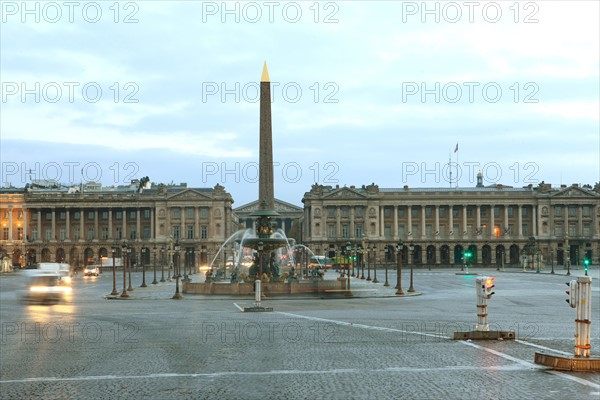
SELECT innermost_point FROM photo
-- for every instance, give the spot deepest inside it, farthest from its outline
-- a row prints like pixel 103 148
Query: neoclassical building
pixel 499 224
pixel 81 225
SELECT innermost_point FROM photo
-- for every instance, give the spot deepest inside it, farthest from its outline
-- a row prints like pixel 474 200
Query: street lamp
pixel 387 252
pixel 411 249
pixel 162 263
pixel 114 291
pixel 154 282
pixel 129 287
pixel 143 251
pixel 375 265
pixel 360 257
pixel 368 250
pixel 177 295
pixel 123 257
pixel 399 252
pixel 552 261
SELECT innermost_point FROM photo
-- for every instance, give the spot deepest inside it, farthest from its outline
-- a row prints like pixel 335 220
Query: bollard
pixel 257 292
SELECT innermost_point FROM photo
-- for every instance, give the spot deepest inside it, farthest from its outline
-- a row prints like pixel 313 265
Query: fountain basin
pixel 329 287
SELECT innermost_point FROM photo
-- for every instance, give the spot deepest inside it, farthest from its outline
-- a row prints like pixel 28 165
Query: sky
pixel 424 94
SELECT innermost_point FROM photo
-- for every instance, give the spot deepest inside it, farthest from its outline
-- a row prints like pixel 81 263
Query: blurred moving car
pixel 318 262
pixel 91 270
pixel 44 287
pixel 63 270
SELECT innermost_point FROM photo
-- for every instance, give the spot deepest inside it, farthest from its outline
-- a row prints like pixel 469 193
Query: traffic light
pixel 572 292
pixel 488 285
pixel 586 264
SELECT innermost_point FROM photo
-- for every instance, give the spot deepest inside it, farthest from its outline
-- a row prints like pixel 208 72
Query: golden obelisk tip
pixel 265 74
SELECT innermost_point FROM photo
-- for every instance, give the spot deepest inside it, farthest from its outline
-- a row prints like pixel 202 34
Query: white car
pixel 91 270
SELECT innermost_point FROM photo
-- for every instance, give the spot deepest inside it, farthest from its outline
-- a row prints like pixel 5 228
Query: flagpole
pixel 457 174
pixel 450 167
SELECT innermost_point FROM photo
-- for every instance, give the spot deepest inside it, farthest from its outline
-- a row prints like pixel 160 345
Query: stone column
pixel 152 226
pixel 197 222
pixel 24 223
pixel 492 226
pixel 96 225
pixel 82 235
pixel 124 225
pixel 451 220
pixel 53 224
pixel 138 224
pixel 437 223
pixel 68 224
pixel 477 217
pixel 464 218
pixel 10 223
pixel 110 226
pixel 520 219
pixel 534 219
pixel 506 218
pixel 409 229
pixel 580 220
pixel 39 223
pixel 352 233
pixel 381 222
pixel 395 227
pixel 595 221
pixel 338 222
pixel 423 233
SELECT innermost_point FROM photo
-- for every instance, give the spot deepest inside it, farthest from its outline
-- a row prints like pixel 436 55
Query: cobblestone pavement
pixel 374 345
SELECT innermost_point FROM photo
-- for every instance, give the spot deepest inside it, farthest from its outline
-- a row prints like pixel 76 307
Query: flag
pixel 456 148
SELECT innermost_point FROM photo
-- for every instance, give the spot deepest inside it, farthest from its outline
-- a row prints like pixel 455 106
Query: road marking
pixel 542 347
pixel 263 373
pixel 237 305
pixel 468 343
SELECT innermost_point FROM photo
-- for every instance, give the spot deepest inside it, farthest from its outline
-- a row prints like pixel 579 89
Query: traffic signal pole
pixel 580 298
pixel 484 289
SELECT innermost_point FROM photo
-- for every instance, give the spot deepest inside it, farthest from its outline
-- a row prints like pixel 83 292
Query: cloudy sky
pixel 363 91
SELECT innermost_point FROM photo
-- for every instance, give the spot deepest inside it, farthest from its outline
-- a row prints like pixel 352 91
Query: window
pixel 401 211
pixel 572 211
pixel 387 212
pixel 62 215
pixel 48 216
pixel 359 211
pixel 34 216
pixel 189 212
pixel 90 233
pixel 511 211
pixel 91 215
pixel 204 212
pixel 104 233
pixel 119 215
pixel 483 211
pixel 442 211
pixel 132 233
pixel 414 212
pixel 572 230
pixel 49 234
pixel 176 213
pixel 428 211
pixel 105 215
pixel 470 211
pixel 587 229
pixel 358 228
pixel 204 232
pixel 146 232
pixel 415 230
pixel 132 214
pixel 387 230
pixel 34 234
pixel 76 234
pixel 586 211
pixel 345 231
pixel 62 234
pixel 557 210
pixel 190 231
pixel 401 230
pixel 429 230
pixel 455 211
pixel 496 212
pixel 558 230
pixel 147 213
pixel 525 211
pixel 331 231
pixel 331 211
pixel 118 233
pixel 525 230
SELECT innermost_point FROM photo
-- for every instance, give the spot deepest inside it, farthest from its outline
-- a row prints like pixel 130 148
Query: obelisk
pixel 265 157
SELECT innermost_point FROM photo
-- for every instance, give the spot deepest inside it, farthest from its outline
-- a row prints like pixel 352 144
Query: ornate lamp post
pixel 114 291
pixel 375 265
pixel 552 261
pixel 368 251
pixel 362 261
pixel 129 287
pixel 177 295
pixel 162 263
pixel 143 256
pixel 411 249
pixel 124 258
pixel 260 263
pixel 154 282
pixel 399 252
pixel 387 252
